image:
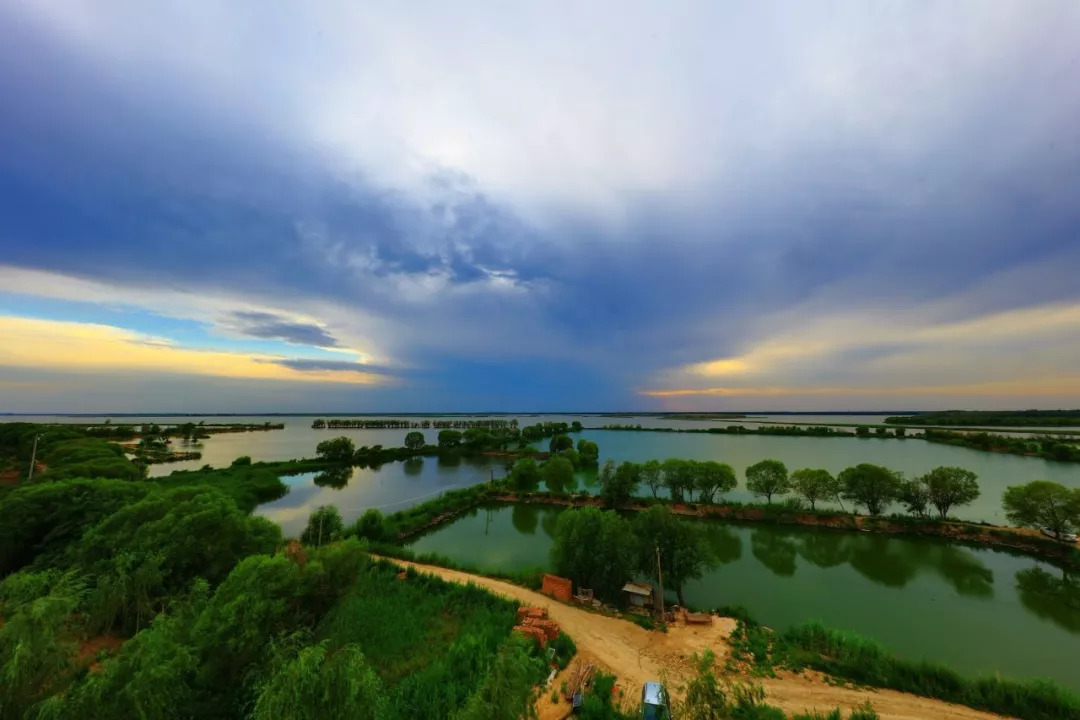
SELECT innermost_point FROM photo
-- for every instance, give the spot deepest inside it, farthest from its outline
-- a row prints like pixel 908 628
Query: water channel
pixel 977 610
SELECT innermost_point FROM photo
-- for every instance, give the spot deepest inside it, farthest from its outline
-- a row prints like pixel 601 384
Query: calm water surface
pixel 977 610
pixel 912 457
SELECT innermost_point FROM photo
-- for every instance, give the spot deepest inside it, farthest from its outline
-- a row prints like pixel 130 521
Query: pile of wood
pixel 692 618
pixel 580 676
pixel 533 622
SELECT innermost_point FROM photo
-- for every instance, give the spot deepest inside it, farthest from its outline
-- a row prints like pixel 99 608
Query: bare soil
pixel 635 656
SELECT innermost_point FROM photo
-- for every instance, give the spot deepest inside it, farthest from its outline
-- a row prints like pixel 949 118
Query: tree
pixel 871 486
pixel 449 438
pixel 340 449
pixel 560 442
pixel 1043 504
pixel 506 692
pixel 316 683
pixel 621 485
pixel 525 475
pixel 650 475
pixel 814 484
pixel 711 478
pixel 589 451
pixel 318 424
pixel 768 478
pixel 678 478
pixel 371 525
pixel 914 495
pixel 558 472
pixel 414 440
pixel 596 549
pixel 324 525
pixel 684 553
pixel 949 486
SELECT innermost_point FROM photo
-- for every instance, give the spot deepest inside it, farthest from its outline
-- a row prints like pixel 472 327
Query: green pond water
pixel 977 610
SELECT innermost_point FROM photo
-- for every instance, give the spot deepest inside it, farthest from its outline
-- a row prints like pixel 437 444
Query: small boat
pixel 1065 536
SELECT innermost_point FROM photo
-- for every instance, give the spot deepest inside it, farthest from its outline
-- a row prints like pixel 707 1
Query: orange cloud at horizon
pixel 1049 387
pixel 63 345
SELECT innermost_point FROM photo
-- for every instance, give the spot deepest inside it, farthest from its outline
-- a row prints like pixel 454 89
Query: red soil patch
pixel 88 651
pixel 9 476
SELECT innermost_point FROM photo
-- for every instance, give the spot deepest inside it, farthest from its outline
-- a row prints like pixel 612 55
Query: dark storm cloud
pixel 274 327
pixel 113 177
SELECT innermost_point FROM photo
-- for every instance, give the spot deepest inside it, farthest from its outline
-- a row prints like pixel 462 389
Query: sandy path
pixel 635 656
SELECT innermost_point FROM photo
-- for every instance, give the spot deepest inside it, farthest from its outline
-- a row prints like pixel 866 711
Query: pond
pixel 977 610
pixel 389 488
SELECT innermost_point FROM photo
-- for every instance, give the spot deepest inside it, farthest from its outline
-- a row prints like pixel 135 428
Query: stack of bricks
pixel 549 628
pixel 535 633
pixel 533 622
pixel 531 612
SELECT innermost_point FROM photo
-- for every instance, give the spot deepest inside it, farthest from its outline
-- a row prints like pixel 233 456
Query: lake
pixel 911 456
pixel 977 610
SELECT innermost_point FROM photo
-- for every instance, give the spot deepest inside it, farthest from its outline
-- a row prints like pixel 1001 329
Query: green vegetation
pixel 768 478
pixel 1042 504
pixel 1047 447
pixel 870 486
pixel 990 418
pixel 187 606
pixel 815 484
pixel 602 550
pixel 850 657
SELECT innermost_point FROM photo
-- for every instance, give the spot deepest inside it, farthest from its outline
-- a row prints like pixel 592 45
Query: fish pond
pixel 979 611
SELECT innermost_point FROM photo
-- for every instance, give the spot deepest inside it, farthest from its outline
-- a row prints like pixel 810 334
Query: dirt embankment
pixel 635 656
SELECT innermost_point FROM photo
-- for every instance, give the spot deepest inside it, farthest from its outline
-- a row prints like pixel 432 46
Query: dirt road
pixel 635 656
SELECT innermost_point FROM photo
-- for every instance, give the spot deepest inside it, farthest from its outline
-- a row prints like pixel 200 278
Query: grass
pixel 431 642
pixel 851 657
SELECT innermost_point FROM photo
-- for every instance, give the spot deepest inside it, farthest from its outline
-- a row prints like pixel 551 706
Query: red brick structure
pixel 557 587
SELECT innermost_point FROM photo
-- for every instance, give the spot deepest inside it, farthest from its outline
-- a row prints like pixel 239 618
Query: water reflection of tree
pixel 548 519
pixel 895 563
pixel 525 518
pixel 825 549
pixel 1056 599
pixel 964 571
pixel 413 466
pixel 881 560
pixel 725 545
pixel 774 550
pixel 336 478
pixel 449 459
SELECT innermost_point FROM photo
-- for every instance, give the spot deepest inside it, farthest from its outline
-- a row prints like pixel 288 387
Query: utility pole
pixel 33 458
pixel 660 582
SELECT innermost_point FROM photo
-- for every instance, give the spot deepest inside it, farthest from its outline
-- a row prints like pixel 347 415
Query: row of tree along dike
pixel 696 489
pixel 1000 418
pixel 1048 447
pixel 415 424
pixel 787 430
pixel 468 442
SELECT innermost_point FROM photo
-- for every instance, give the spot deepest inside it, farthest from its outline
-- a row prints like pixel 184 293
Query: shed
pixel 638 594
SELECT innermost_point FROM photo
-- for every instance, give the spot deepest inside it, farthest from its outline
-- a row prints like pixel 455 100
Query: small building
pixel 638 594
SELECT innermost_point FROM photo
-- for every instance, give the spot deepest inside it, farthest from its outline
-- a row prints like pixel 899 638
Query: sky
pixel 314 206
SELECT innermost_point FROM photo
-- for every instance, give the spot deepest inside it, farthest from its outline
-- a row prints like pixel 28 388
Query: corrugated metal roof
pixel 638 588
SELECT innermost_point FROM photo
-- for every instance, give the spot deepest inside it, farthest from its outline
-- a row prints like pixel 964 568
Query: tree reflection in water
pixel 776 551
pixel 413 466
pixel 1056 599
pixel 336 478
pixel 525 518
pixel 726 546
